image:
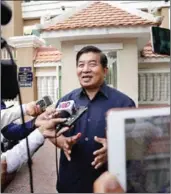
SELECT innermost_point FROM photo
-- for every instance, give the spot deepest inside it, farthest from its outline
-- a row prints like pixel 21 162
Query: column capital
pixel 26 41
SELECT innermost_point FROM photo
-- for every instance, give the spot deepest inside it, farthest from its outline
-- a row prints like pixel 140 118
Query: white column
pixel 127 70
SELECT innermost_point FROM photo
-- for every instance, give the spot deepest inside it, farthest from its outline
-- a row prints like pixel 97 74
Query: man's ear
pixel 106 70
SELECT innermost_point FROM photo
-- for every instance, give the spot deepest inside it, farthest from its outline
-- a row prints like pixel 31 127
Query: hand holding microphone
pixel 68 110
pixel 36 108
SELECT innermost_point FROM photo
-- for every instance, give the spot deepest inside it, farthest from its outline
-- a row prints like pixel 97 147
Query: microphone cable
pixel 24 126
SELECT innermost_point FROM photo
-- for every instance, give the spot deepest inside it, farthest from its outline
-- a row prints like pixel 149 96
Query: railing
pixel 5 55
pixel 154 87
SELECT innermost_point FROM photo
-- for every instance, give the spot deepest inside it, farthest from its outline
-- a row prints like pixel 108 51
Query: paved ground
pixel 44 173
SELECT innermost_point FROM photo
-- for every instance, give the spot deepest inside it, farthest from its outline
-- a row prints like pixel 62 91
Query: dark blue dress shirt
pixel 16 132
pixel 78 175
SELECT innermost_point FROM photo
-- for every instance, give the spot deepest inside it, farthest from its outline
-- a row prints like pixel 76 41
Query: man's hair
pixel 93 49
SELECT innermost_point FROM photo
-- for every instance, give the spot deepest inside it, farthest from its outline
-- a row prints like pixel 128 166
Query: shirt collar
pixel 103 90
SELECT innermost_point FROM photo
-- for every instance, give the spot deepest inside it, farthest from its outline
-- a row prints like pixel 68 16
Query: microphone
pixel 68 107
pixel 68 110
pixel 44 102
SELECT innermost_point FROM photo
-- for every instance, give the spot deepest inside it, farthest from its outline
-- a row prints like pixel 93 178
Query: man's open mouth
pixel 86 78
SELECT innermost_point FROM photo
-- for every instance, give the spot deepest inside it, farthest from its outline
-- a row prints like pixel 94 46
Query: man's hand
pixel 107 183
pixel 101 154
pixel 32 109
pixel 67 143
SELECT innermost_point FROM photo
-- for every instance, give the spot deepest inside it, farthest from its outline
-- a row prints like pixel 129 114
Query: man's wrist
pixel 60 140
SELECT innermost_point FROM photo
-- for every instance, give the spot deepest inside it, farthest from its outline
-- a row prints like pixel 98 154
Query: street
pixel 44 173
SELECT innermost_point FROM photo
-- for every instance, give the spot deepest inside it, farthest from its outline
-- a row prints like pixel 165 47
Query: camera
pixel 9 87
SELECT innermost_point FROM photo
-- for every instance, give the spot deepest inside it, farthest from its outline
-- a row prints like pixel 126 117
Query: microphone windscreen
pixel 64 114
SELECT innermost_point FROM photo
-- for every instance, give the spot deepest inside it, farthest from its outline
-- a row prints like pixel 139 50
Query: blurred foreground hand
pixel 107 183
pixel 32 109
pixel 6 178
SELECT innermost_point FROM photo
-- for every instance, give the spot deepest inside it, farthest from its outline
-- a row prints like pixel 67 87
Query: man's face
pixel 90 71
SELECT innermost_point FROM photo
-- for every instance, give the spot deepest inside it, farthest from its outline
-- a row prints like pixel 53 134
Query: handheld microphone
pixel 68 110
pixel 44 102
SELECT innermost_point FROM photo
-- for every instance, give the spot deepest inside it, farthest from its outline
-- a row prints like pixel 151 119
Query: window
pixel 111 78
pixel 47 85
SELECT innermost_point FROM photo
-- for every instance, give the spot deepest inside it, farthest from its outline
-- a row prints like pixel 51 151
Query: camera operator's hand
pixel 32 109
pixel 107 183
pixel 66 144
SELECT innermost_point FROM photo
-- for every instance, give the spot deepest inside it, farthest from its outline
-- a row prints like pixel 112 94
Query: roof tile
pixel 47 54
pixel 100 14
pixel 147 52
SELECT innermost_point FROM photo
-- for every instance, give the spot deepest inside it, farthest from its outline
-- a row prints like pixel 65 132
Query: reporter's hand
pixel 32 109
pixel 45 116
pixel 67 143
pixel 101 154
pixel 48 127
pixel 107 183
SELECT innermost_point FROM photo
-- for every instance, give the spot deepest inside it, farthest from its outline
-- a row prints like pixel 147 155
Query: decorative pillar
pixel 26 47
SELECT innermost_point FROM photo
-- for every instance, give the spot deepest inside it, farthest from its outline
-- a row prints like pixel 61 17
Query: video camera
pixel 9 83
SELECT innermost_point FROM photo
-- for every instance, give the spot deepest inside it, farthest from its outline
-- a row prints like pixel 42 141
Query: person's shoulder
pixel 120 98
pixel 70 96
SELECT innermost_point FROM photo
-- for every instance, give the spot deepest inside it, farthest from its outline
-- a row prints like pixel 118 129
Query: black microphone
pixel 68 110
pixel 44 102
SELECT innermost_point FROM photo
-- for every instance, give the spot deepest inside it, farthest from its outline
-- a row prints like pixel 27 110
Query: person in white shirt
pixel 13 159
pixel 11 114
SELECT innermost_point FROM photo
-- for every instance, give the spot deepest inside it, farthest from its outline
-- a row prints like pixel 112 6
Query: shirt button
pixel 86 139
pixel 88 120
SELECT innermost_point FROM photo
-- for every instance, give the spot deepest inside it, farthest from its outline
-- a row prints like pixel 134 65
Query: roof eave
pixel 104 32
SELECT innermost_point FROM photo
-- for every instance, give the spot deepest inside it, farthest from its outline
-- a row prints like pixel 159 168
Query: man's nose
pixel 86 68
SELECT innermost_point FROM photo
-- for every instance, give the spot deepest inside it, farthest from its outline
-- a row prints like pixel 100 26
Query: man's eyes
pixel 92 64
pixel 80 65
pixel 89 64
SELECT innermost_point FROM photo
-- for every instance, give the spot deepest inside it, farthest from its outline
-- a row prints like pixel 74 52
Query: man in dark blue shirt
pixel 84 148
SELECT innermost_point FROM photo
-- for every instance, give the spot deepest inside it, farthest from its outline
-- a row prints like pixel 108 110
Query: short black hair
pixel 93 49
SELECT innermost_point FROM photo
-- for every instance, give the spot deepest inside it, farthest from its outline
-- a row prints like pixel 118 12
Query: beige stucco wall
pixel 31 22
pixel 165 13
pixel 128 69
pixel 25 59
pixel 127 65
pixel 15 27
